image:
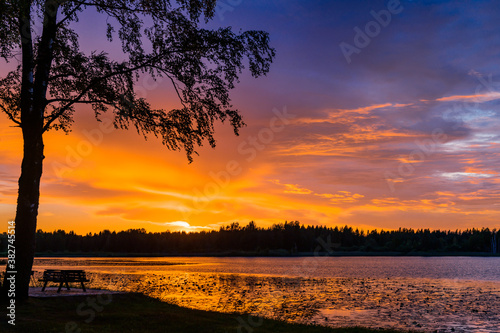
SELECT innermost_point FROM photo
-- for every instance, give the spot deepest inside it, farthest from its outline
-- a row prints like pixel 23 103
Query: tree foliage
pixel 163 39
pixel 288 237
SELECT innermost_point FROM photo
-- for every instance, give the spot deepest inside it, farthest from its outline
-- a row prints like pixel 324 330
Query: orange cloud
pixel 479 98
pixel 331 172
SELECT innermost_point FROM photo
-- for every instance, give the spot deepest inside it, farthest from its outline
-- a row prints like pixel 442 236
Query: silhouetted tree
pixel 251 239
pixel 54 76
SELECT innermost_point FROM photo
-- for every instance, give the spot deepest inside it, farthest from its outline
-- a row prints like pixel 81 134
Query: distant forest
pixel 289 238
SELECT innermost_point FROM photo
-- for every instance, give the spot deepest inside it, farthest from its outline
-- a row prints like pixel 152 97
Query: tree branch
pixel 55 100
pixel 106 6
pixel 10 115
pixel 107 102
pixel 60 76
pixel 70 13
pixel 89 88
pixel 173 83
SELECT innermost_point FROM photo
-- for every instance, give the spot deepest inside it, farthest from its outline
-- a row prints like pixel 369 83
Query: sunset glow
pixel 406 135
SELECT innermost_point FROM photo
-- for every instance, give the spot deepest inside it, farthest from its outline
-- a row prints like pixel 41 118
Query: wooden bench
pixel 63 277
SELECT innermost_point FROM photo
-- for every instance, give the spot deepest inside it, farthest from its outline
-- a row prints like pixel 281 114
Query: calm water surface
pixel 443 294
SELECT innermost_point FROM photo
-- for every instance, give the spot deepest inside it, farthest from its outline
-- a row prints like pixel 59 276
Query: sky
pixel 375 114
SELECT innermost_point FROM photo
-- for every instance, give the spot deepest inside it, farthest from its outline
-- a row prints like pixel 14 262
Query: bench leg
pixel 60 286
pixel 32 279
pixel 67 285
pixel 44 285
pixel 83 287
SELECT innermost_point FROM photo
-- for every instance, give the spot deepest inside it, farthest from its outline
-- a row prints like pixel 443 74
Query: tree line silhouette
pixel 288 238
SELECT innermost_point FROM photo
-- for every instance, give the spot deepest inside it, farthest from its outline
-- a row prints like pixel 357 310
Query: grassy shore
pixel 138 313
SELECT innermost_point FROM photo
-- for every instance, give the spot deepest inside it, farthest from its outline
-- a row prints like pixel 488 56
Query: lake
pixel 443 294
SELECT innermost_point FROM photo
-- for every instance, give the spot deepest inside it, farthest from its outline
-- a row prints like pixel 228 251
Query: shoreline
pixel 132 312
